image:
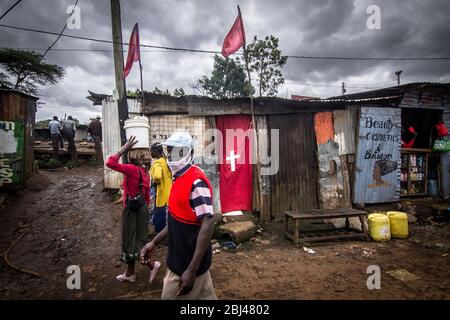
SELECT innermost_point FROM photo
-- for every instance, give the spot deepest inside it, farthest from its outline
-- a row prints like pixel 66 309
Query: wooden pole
pixel 142 88
pixel 118 66
pixel 258 164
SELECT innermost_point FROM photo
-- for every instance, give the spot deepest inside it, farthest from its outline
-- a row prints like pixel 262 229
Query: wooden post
pixel 142 88
pixel 118 66
pixel 262 206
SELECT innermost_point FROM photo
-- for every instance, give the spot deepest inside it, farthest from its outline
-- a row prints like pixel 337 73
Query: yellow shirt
pixel 162 177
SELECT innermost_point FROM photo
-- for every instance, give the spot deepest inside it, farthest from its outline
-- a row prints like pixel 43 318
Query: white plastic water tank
pixel 138 127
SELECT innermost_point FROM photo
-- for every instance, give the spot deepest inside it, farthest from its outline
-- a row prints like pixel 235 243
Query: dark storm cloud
pixel 304 27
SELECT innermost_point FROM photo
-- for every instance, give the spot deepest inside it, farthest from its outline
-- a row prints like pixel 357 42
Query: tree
pixel 266 61
pixel 26 71
pixel 161 92
pixel 178 92
pixel 227 80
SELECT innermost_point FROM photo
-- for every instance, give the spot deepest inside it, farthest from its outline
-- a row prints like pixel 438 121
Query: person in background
pixel 55 131
pixel 68 131
pixel 162 178
pixel 95 130
pixel 189 226
pixel 136 198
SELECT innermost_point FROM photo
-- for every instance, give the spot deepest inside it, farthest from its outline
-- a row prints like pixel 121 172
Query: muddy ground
pixel 66 219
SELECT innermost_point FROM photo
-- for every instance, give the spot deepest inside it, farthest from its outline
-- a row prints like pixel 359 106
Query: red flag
pixel 235 38
pixel 235 170
pixel 134 53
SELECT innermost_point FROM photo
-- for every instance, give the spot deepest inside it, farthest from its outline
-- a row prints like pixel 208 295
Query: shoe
pixel 123 277
pixel 154 271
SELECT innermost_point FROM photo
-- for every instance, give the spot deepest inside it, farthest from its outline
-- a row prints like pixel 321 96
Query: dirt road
pixel 68 220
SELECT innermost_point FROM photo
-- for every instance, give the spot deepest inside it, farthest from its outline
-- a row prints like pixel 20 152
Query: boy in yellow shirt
pixel 162 178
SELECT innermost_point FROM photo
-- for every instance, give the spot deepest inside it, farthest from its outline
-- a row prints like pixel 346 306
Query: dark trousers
pixel 98 148
pixel 72 147
pixel 159 218
pixel 56 138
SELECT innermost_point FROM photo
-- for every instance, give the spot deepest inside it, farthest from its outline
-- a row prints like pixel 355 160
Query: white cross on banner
pixel 235 169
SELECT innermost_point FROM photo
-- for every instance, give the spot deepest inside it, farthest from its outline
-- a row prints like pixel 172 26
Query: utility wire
pixel 10 8
pixel 218 52
pixel 60 34
pixel 361 86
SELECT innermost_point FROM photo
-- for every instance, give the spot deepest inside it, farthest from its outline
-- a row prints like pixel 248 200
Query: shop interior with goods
pixel 420 164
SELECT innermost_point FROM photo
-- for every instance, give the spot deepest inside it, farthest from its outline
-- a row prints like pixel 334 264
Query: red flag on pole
pixel 235 38
pixel 134 53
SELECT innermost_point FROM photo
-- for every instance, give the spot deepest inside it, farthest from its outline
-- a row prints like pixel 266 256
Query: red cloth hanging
pixel 134 53
pixel 235 37
pixel 235 170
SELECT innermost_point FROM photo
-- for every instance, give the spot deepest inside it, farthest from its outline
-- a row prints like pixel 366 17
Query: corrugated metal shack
pixel 385 170
pixel 319 144
pixel 17 118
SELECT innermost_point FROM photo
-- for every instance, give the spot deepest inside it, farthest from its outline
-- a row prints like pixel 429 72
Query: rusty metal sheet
pixel 332 177
pixel 294 187
pixel 378 156
pixel 424 99
pixel 345 130
pixel 323 122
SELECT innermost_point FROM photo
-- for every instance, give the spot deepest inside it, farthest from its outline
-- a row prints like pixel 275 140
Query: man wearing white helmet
pixel 189 226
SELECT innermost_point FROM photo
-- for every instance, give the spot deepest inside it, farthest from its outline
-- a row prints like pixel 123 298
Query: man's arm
pixel 148 249
pixel 157 172
pixel 201 203
pixel 203 241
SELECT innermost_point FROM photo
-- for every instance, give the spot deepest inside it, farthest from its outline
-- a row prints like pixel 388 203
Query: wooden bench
pixel 311 236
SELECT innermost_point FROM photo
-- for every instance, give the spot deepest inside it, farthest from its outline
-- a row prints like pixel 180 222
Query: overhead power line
pixel 10 8
pixel 360 86
pixel 60 34
pixel 218 52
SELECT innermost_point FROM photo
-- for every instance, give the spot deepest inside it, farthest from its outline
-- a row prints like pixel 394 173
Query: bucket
pixel 379 227
pixel 399 224
pixel 138 127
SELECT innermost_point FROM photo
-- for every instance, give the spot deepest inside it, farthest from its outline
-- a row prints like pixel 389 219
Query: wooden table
pixel 311 236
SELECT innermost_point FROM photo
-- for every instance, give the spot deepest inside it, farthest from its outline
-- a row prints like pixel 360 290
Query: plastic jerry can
pixel 379 227
pixel 399 224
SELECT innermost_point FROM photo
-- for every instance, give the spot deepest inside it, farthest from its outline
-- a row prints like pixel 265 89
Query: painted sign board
pixel 378 156
pixel 11 153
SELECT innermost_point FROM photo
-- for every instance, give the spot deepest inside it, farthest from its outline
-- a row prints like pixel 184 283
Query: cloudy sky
pixel 413 28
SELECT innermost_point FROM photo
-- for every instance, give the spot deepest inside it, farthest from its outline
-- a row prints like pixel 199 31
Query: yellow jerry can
pixel 379 227
pixel 399 224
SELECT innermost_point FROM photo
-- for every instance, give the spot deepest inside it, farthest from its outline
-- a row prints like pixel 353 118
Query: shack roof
pixel 396 91
pixel 195 105
pixel 24 94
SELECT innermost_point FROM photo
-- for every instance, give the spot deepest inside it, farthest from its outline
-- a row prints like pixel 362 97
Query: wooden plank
pixel 334 237
pixel 322 216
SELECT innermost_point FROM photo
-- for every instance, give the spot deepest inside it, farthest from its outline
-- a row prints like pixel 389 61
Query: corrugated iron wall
pixel 445 162
pixel 377 178
pixel 111 141
pixel 345 122
pixel 22 110
pixel 294 187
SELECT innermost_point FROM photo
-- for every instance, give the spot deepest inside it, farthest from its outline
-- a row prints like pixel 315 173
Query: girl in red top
pixel 136 199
